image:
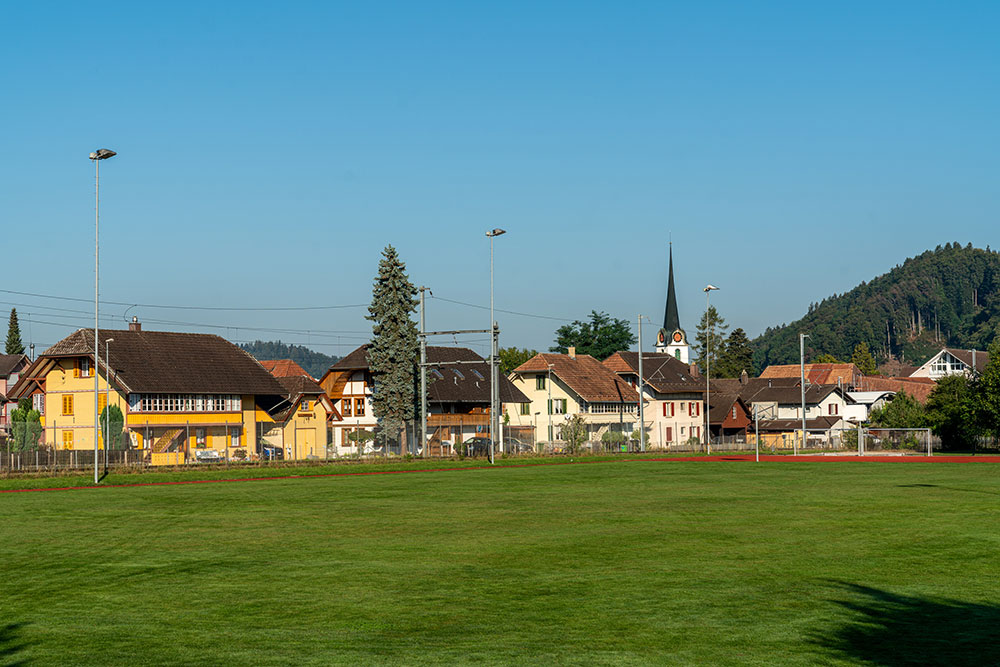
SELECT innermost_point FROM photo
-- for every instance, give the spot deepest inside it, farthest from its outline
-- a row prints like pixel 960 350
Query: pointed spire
pixel 671 321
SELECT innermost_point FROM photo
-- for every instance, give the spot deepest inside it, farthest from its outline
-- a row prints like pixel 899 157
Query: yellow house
pixel 300 426
pixel 184 397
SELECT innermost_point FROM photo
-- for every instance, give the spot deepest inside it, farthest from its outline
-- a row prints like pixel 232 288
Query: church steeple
pixel 671 321
pixel 672 339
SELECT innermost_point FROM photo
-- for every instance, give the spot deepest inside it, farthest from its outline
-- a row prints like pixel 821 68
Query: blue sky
pixel 268 151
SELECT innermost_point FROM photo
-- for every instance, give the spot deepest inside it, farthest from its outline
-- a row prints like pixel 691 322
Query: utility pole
pixel 708 354
pixel 802 383
pixel 423 376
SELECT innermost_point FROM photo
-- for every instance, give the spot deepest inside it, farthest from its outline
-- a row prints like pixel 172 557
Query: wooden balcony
pixel 479 419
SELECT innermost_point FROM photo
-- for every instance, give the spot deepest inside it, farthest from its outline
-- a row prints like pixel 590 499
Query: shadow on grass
pixel 891 629
pixel 948 488
pixel 11 645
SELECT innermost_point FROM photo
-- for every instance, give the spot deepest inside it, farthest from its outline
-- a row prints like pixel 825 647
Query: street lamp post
pixel 708 356
pixel 494 384
pixel 97 156
pixel 548 385
pixel 802 384
pixel 642 399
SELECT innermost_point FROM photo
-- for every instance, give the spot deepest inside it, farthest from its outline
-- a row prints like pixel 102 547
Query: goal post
pixel 895 441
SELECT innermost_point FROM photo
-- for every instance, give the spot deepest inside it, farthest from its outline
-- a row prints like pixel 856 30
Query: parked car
pixel 515 446
pixel 477 446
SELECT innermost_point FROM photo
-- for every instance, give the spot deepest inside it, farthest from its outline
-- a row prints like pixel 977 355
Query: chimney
pixel 135 324
pixel 571 351
pixel 693 370
pixel 744 377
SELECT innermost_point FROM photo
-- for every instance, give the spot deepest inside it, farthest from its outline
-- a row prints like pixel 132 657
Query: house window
pixel 734 412
pixel 525 408
pixel 234 438
pixel 359 407
pixel 85 368
pixel 199 437
pixel 833 408
pixel 67 404
pixel 346 407
pixel 540 382
pixel 557 406
pixel 38 403
pixel 67 439
pixel 304 405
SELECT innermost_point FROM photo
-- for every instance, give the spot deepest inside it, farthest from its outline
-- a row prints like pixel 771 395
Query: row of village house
pixel 197 396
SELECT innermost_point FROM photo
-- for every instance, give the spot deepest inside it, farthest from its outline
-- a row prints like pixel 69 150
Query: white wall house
pixel 952 361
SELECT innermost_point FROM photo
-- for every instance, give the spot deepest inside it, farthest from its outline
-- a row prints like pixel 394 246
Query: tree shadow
pixel 11 645
pixel 892 629
pixel 949 488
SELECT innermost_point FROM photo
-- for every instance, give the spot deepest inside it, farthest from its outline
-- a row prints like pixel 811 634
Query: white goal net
pixel 895 441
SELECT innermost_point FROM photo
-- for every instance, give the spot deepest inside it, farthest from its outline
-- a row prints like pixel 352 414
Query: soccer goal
pixel 895 441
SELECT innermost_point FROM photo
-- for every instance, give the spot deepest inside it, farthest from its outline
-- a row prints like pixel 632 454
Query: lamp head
pixel 496 232
pixel 102 154
pixel 709 288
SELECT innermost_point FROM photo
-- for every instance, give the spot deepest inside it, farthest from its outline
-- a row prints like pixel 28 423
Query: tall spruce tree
pixel 862 358
pixel 14 344
pixel 392 354
pixel 736 356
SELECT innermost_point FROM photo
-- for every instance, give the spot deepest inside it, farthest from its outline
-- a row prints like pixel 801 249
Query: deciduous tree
pixel 988 394
pixel 512 357
pixel 951 412
pixel 711 338
pixel 601 337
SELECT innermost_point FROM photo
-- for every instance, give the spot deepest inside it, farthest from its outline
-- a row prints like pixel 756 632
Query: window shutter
pixel 76 368
pixel 664 409
pixel 671 409
pixel 550 406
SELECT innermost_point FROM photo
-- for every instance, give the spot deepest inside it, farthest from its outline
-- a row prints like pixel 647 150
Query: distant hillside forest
pixel 949 296
pixel 315 363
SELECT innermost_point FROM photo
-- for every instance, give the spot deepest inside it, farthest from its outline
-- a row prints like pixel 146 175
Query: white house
pixel 951 361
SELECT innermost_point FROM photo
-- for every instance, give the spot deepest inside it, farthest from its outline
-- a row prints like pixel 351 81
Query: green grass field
pixel 611 563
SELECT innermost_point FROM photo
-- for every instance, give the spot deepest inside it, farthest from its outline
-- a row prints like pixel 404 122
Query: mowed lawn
pixel 605 563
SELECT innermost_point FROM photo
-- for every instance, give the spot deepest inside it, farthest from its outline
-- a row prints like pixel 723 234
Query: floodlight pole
pixel 708 351
pixel 494 384
pixel 756 428
pixel 97 156
pixel 802 383
pixel 423 376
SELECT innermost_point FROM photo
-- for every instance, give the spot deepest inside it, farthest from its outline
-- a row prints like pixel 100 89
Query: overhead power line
pixel 501 310
pixel 175 307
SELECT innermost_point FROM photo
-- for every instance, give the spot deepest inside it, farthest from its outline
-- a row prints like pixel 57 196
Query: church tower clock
pixel 671 339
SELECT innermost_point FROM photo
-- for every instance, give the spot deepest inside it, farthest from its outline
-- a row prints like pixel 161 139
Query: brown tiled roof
pixel 357 360
pixel 283 368
pixel 816 373
pixel 751 386
pixel 460 383
pixel 173 363
pixel 793 395
pixel 918 388
pixel 662 372
pixel 8 362
pixel 720 406
pixel 590 379
pixel 466 382
pixel 299 385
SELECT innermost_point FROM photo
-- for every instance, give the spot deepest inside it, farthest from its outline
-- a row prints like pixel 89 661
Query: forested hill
pixel 315 363
pixel 947 296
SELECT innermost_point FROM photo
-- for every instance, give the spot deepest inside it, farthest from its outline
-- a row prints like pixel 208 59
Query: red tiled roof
pixel 816 373
pixel 590 379
pixel 283 368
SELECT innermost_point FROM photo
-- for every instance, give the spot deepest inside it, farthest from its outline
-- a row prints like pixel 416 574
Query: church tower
pixel 672 339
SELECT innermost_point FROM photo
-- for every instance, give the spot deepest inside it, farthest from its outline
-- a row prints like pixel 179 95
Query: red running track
pixel 730 458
